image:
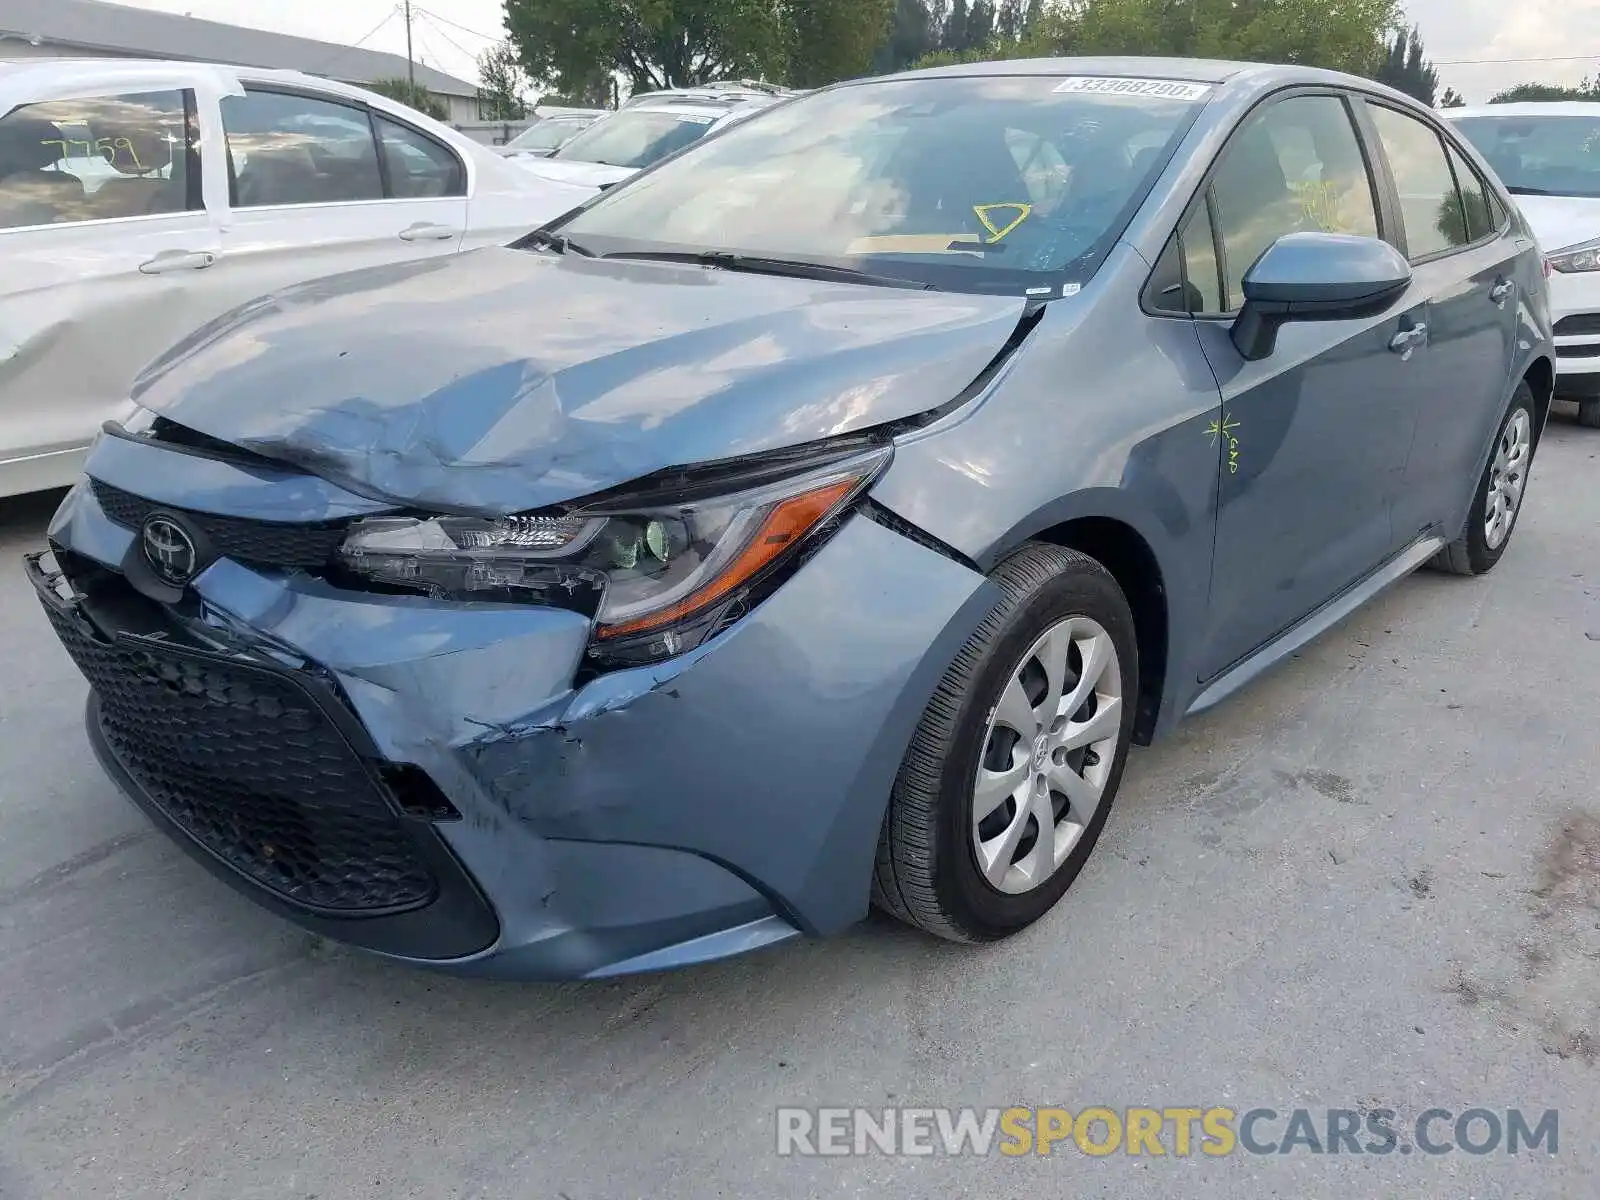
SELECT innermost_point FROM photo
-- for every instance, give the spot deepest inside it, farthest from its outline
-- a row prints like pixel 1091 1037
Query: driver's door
pixel 1313 437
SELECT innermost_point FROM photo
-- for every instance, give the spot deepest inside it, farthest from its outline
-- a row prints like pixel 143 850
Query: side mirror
pixel 1316 277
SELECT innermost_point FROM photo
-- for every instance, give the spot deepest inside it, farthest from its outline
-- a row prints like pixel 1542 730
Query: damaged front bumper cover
pixel 650 818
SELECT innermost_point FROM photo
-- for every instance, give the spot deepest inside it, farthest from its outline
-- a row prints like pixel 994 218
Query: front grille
pixel 1591 350
pixel 265 543
pixel 1578 323
pixel 245 761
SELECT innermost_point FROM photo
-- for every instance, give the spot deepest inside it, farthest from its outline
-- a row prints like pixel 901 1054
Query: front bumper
pixel 649 818
pixel 1575 314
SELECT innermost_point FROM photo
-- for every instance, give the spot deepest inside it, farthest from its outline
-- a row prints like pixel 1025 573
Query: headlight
pixel 658 572
pixel 1574 259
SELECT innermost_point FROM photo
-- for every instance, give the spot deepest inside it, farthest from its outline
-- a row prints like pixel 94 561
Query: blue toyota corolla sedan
pixel 813 521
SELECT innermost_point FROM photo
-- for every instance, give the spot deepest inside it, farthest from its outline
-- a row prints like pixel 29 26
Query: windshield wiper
pixel 756 264
pixel 559 242
pixel 1529 191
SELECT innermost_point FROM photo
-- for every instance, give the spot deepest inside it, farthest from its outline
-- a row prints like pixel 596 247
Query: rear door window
pixel 99 158
pixel 1476 199
pixel 419 168
pixel 285 148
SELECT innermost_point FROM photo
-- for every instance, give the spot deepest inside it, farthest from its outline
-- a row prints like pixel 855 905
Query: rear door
pixel 1313 438
pixel 104 247
pixel 1464 256
pixel 318 185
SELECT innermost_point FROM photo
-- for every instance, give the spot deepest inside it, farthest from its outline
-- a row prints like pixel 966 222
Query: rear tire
pixel 1589 413
pixel 1030 726
pixel 1498 501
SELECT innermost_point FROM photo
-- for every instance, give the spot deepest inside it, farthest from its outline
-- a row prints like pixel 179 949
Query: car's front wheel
pixel 1498 500
pixel 1589 412
pixel 1011 773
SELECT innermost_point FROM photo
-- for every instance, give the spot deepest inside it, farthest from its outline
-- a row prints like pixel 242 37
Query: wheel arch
pixel 1127 554
pixel 1540 376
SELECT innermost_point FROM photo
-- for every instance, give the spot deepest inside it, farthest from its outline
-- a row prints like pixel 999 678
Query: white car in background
pixel 1548 154
pixel 647 129
pixel 140 200
pixel 548 134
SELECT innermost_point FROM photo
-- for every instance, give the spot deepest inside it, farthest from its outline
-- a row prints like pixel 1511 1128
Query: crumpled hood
pixel 1561 221
pixel 579 174
pixel 506 380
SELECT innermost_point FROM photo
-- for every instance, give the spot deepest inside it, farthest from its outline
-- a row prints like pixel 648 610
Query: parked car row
pixel 140 200
pixel 549 133
pixel 813 518
pixel 649 127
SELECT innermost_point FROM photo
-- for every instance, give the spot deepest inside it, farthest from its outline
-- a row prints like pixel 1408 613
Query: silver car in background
pixel 548 134
pixel 647 129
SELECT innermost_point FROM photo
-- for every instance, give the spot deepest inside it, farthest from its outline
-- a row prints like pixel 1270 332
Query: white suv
pixel 140 200
pixel 1548 154
pixel 647 129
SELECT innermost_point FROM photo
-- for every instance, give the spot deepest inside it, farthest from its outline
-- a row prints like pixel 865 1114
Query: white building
pixel 90 28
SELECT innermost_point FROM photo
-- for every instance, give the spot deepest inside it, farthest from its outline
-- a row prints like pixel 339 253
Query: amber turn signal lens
pixel 786 525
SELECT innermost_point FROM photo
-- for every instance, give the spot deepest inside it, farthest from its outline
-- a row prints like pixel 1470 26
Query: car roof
pixel 89 71
pixel 1220 72
pixel 716 106
pixel 1528 108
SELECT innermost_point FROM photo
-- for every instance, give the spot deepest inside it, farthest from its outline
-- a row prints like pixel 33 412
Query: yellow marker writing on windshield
pixel 1024 211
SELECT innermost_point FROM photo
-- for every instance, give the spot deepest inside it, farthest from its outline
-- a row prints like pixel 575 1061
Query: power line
pixel 455 25
pixel 362 41
pixel 1475 62
pixel 428 17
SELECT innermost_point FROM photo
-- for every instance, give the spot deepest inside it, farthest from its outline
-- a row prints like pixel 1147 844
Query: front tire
pixel 1498 500
pixel 1589 412
pixel 1012 771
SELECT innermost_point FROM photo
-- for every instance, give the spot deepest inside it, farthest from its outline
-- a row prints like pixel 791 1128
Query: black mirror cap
pixel 1312 277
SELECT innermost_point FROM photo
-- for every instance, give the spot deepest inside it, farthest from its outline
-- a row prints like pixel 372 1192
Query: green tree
pixel 414 94
pixel 1589 89
pixel 954 36
pixel 1346 35
pixel 912 36
pixel 834 39
pixel 576 45
pixel 501 84
pixel 980 24
pixel 1405 69
pixel 573 44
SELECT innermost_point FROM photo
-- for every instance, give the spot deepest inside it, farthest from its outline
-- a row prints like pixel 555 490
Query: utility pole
pixel 411 66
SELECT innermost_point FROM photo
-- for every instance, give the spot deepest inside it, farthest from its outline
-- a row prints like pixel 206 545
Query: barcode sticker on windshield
pixel 1156 89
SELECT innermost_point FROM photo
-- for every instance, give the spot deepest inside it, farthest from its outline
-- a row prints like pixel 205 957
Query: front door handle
pixel 178 260
pixel 1501 291
pixel 1407 340
pixel 426 231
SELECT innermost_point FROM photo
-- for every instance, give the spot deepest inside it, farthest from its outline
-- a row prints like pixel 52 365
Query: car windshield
pixel 636 138
pixel 546 135
pixel 1540 156
pixel 974 183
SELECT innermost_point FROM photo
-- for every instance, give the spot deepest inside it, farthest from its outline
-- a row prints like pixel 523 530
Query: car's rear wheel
pixel 1010 776
pixel 1589 412
pixel 1498 500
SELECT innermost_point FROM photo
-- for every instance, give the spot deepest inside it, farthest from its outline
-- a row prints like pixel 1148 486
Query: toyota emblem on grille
pixel 169 550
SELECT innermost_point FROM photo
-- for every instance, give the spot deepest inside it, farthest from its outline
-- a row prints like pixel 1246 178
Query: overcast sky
pixel 449 34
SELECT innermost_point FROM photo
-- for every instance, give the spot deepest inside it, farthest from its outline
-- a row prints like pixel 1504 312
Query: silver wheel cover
pixel 1508 475
pixel 1046 755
